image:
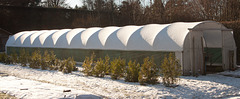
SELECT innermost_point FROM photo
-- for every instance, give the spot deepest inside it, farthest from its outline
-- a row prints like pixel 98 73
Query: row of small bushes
pixel 47 61
pixel 146 73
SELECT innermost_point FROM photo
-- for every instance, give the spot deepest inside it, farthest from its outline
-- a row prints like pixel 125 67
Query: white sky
pixel 73 3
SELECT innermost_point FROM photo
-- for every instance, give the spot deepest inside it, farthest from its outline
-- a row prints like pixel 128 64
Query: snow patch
pixel 210 86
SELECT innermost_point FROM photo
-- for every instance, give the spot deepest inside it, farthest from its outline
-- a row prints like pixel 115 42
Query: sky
pixel 73 3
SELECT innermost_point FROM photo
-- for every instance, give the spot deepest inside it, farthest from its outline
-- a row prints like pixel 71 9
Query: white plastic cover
pixel 90 38
pixel 105 33
pixel 152 37
pixel 30 39
pixel 39 40
pixel 75 40
pixel 12 39
pixel 22 38
pixel 52 39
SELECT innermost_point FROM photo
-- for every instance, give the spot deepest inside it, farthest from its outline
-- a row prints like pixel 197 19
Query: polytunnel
pixel 199 46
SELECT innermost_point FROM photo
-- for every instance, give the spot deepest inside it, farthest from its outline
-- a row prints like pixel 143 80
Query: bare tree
pixel 99 5
pixel 178 10
pixel 157 11
pixel 207 9
pixel 25 3
pixel 230 10
pixel 55 3
pixel 130 12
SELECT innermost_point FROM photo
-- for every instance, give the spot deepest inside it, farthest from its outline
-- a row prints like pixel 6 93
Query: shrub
pixel 46 61
pixel 107 69
pixel 170 71
pixel 71 65
pixel 117 68
pixel 99 68
pixel 132 71
pixel 1 58
pixel 4 58
pixel 35 60
pixel 23 57
pixel 8 60
pixel 68 65
pixel 149 72
pixel 13 58
pixel 54 62
pixel 62 66
pixel 88 65
pixel 102 67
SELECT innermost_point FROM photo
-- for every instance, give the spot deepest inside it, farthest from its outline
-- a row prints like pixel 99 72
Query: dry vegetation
pixel 6 96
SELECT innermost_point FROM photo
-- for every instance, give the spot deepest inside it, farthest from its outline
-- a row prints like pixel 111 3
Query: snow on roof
pixel 39 40
pixel 30 39
pixel 128 35
pixel 90 38
pixel 52 39
pixel 75 41
pixel 158 37
pixel 12 39
pixel 105 33
pixel 22 38
pixel 152 37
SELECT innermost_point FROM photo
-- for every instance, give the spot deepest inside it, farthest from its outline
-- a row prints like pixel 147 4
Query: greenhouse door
pixel 213 50
pixel 213 60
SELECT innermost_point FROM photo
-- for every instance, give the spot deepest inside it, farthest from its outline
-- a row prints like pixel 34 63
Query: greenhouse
pixel 198 46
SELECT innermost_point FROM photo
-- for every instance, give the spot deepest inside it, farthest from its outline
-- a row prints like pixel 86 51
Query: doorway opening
pixel 213 60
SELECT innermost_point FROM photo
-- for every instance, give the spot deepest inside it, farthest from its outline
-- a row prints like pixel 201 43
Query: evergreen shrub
pixel 170 71
pixel 88 65
pixel 132 71
pixel 99 68
pixel 118 66
pixel 14 58
pixel 46 61
pixel 149 72
pixel 3 57
pixel 54 62
pixel 36 60
pixel 102 67
pixel 71 65
pixel 23 57
pixel 68 65
pixel 107 67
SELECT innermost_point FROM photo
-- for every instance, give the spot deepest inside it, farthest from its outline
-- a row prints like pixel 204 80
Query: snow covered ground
pixel 50 84
pixel 24 88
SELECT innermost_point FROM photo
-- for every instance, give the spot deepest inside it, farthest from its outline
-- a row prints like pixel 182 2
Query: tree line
pixel 166 11
pixel 36 3
pixel 154 11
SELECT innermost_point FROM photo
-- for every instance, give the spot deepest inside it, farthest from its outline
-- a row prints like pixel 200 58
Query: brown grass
pixel 6 96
